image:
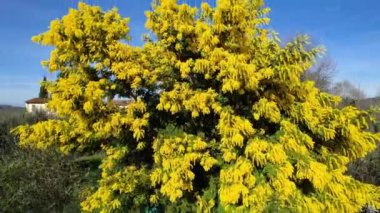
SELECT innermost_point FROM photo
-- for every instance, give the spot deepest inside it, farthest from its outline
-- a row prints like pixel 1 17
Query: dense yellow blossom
pixel 176 153
pixel 218 118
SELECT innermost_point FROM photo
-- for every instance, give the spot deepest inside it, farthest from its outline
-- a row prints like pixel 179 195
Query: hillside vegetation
pixel 33 180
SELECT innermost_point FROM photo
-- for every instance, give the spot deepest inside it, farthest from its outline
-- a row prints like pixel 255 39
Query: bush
pixel 33 180
pixel 220 119
pixel 38 181
pixel 367 169
pixel 11 117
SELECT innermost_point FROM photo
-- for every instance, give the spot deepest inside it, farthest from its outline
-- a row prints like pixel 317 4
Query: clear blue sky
pixel 350 30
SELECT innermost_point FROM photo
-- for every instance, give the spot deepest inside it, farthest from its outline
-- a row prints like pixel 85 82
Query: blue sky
pixel 349 29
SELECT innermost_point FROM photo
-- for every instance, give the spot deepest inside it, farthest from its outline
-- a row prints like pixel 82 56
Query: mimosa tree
pixel 220 120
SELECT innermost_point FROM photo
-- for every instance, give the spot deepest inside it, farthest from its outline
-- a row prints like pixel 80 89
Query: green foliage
pixel 43 91
pixel 10 117
pixel 33 180
pixel 367 169
pixel 37 181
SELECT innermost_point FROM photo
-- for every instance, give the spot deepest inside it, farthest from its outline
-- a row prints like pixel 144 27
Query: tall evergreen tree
pixel 43 91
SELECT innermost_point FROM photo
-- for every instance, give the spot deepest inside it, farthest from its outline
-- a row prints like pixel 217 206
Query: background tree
pixel 43 91
pixel 221 120
pixel 322 74
pixel 346 89
pixel 349 93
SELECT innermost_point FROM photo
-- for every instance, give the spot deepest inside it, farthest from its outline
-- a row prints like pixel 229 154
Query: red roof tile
pixel 37 101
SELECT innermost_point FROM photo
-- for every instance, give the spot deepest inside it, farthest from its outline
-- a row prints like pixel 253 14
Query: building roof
pixel 37 101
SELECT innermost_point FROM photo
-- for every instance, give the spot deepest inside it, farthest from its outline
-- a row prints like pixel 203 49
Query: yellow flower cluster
pixel 176 153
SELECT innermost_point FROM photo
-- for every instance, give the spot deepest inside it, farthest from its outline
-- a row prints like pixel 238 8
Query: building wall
pixel 32 108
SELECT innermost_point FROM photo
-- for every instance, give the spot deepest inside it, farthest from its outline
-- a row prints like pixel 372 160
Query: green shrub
pixel 367 169
pixel 11 117
pixel 38 181
pixel 33 180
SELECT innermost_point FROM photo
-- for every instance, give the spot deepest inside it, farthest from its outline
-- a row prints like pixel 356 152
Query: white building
pixel 36 105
